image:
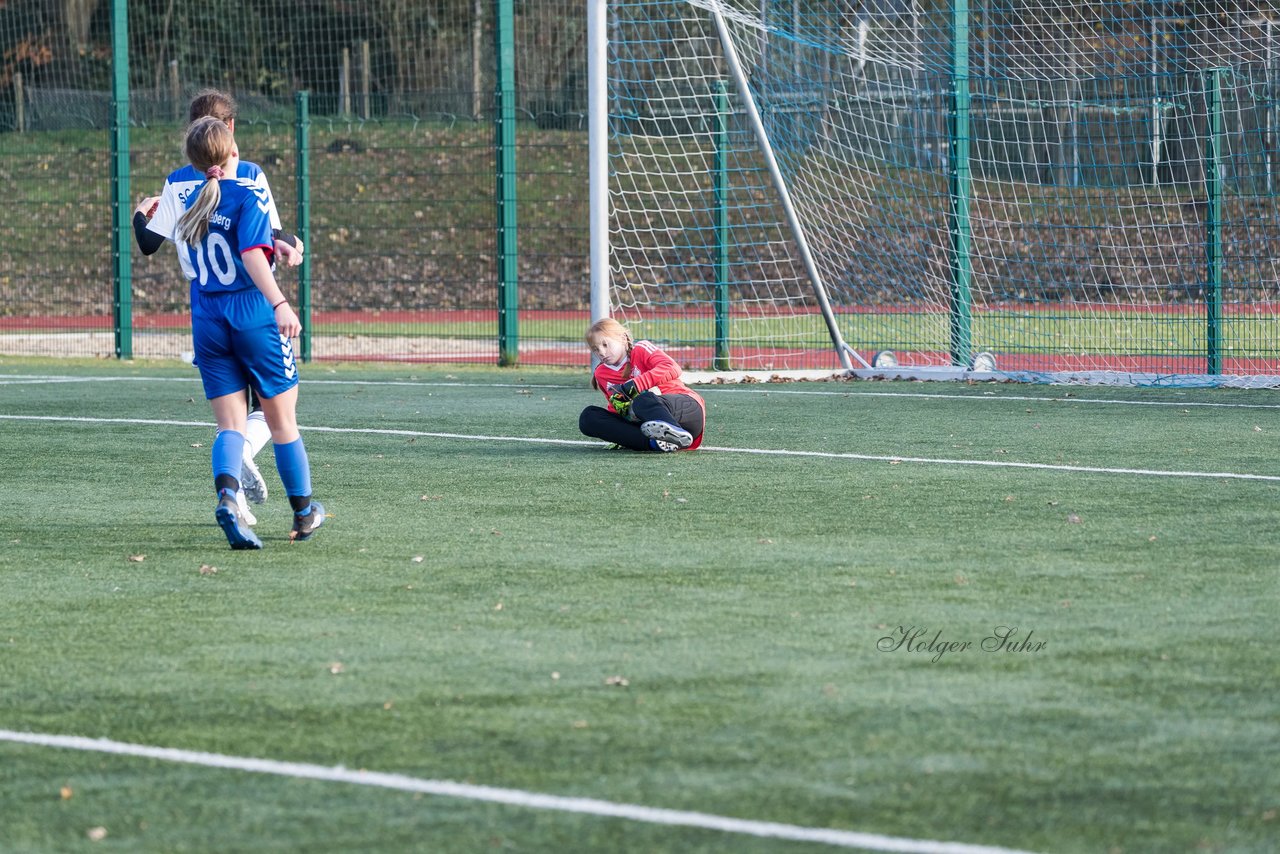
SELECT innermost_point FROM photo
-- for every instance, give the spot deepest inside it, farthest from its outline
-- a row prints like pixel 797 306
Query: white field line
pixel 510 797
pixel 774 452
pixel 36 379
pixel 991 397
pixel 787 389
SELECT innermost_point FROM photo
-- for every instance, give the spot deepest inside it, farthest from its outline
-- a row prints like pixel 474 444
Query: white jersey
pixel 173 204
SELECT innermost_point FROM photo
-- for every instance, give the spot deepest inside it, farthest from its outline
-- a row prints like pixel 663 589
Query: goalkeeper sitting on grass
pixel 649 409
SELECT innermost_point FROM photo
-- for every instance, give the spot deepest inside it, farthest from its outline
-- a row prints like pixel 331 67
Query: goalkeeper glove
pixel 621 395
pixel 626 390
pixel 621 405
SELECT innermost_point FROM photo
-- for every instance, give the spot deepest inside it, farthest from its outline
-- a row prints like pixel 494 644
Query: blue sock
pixel 295 470
pixel 228 452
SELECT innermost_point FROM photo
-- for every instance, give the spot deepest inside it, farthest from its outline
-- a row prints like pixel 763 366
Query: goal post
pixel 683 293
pixel 796 227
pixel 1019 189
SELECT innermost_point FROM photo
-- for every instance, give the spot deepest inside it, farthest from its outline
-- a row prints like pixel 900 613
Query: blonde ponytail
pixel 209 146
pixel 193 225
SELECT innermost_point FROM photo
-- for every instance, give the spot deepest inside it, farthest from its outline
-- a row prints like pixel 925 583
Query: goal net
pixel 1043 191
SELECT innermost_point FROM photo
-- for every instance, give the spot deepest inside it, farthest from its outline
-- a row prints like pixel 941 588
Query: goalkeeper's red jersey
pixel 650 368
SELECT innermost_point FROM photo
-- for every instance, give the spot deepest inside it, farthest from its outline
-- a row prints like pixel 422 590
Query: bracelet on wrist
pixel 277 305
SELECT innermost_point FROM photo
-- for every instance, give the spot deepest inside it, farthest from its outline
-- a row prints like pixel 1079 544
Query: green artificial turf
pixel 702 631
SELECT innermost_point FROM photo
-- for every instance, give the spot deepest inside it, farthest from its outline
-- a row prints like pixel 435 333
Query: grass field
pixel 768 630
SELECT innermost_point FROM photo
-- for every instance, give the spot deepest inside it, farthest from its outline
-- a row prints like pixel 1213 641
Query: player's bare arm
pixel 288 247
pixel 259 269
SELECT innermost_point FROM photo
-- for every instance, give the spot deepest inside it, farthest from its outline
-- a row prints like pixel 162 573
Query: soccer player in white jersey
pixel 149 236
pixel 242 326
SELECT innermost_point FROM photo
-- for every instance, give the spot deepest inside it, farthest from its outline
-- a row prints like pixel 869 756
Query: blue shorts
pixel 238 344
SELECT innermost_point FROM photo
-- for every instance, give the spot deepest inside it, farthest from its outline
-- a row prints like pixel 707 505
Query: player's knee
pixel 589 420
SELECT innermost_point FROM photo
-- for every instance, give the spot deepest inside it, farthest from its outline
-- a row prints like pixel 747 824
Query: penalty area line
pixel 1005 464
pixel 509 797
pixel 704 388
pixel 990 397
pixel 194 379
pixel 892 459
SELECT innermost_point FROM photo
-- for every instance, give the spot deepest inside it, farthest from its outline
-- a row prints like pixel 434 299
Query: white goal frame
pixel 877 366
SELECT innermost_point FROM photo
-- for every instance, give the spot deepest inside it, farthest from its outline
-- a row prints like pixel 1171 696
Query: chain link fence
pixel 409 142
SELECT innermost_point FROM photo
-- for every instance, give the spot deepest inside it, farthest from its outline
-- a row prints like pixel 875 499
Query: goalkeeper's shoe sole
pixel 255 488
pixel 663 431
pixel 239 535
pixel 305 526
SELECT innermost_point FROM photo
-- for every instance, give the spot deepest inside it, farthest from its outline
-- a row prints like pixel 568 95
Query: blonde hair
pixel 209 146
pixel 608 328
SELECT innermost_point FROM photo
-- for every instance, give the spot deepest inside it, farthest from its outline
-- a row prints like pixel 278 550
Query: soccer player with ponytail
pixel 155 219
pixel 241 326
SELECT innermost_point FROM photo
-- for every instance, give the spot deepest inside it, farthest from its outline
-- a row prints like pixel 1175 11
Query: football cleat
pixel 242 507
pixel 663 431
pixel 661 446
pixel 255 488
pixel 304 525
pixel 239 535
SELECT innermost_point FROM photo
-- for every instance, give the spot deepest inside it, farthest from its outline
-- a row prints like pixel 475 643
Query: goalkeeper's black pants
pixel 680 409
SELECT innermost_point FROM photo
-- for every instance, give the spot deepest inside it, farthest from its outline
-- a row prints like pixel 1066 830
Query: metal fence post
pixel 961 189
pixel 302 173
pixel 721 179
pixel 1215 149
pixel 505 161
pixel 121 208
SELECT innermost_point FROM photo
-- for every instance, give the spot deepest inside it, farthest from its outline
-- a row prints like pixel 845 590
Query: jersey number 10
pixel 221 259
